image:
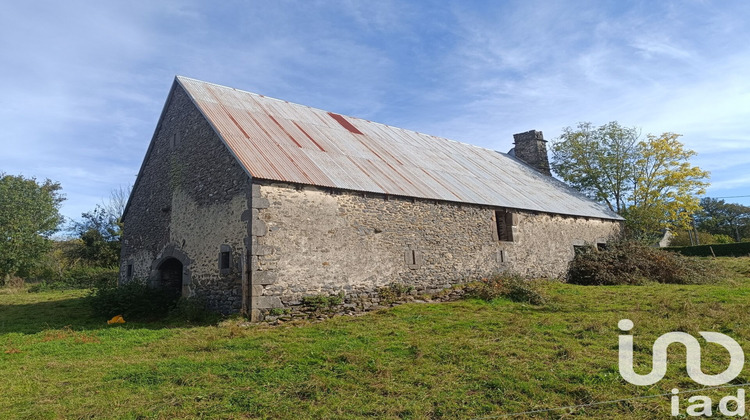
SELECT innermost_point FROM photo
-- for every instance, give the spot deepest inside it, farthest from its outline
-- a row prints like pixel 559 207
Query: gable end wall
pixel 191 198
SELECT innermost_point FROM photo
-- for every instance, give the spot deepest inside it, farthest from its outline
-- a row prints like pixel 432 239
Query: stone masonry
pixel 259 245
pixel 192 197
pixel 313 241
pixel 531 147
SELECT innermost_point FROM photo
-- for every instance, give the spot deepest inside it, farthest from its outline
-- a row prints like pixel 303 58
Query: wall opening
pixel 504 222
pixel 225 259
pixel 170 275
pixel 413 258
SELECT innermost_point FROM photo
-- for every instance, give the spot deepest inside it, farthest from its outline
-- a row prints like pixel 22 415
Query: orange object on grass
pixel 117 319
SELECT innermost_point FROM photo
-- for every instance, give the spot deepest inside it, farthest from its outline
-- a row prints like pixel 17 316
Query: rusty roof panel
pixel 282 141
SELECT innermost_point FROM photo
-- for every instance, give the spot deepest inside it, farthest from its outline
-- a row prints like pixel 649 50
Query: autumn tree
pixel 666 186
pixel 29 214
pixel 650 182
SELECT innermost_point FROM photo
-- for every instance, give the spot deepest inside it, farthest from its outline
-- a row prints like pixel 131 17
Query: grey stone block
pixel 260 203
pixel 262 250
pixel 266 302
pixel 259 228
pixel 264 277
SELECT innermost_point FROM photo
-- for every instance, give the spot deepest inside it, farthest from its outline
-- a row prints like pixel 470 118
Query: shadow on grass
pixel 75 313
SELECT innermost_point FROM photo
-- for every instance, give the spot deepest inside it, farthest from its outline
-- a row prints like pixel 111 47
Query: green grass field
pixel 466 359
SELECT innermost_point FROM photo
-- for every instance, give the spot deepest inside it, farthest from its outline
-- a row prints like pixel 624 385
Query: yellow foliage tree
pixel 650 182
pixel 666 186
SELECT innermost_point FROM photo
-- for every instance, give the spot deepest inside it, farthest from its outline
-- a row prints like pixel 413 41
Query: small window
pixel 601 246
pixel 225 259
pixel 504 223
pixel 174 140
pixel 129 271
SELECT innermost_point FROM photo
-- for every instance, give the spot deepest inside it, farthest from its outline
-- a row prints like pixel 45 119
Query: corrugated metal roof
pixel 278 140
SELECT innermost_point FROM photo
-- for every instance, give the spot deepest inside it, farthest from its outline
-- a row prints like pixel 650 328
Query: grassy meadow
pixel 464 359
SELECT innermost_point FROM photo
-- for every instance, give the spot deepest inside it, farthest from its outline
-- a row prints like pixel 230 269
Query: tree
pixel 721 218
pixel 29 214
pixel 665 187
pixel 648 181
pixel 597 161
pixel 100 231
pixel 118 199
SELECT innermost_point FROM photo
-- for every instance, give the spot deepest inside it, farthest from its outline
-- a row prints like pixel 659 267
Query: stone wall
pixel 191 198
pixel 313 241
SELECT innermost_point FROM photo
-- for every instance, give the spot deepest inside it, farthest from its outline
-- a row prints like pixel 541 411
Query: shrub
pixel 134 300
pixel 738 249
pixel 682 238
pixel 394 292
pixel 89 277
pixel 80 277
pixel 193 309
pixel 44 286
pixel 723 239
pixel 322 302
pixel 278 311
pixel 630 262
pixel 511 286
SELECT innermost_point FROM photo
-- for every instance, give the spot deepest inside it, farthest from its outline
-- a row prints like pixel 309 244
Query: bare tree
pixel 117 201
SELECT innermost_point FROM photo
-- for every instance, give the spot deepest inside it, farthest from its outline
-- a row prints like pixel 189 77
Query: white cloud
pixel 84 83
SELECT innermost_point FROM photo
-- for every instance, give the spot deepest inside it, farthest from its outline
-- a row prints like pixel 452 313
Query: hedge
pixel 739 249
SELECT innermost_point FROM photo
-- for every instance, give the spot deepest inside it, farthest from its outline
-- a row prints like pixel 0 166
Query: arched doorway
pixel 170 275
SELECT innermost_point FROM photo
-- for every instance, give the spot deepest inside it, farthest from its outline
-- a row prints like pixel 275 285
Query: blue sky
pixel 83 83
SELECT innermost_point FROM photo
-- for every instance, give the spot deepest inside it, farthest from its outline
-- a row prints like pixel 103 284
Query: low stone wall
pixel 355 304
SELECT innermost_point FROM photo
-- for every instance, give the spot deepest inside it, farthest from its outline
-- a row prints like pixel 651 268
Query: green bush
pixel 80 277
pixel 682 238
pixel 193 309
pixel 738 249
pixel 45 286
pixel 511 286
pixel 634 263
pixel 89 277
pixel 134 300
pixel 322 302
pixel 278 311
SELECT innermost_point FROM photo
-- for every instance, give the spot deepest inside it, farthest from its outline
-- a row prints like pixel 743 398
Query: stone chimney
pixel 531 147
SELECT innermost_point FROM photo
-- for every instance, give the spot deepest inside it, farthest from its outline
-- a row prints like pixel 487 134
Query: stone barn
pixel 253 203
